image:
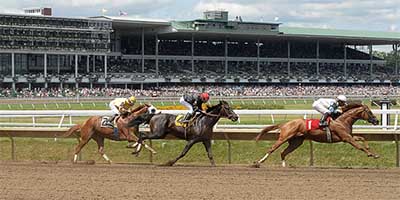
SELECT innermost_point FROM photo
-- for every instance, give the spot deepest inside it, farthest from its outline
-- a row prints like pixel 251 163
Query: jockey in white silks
pixel 327 107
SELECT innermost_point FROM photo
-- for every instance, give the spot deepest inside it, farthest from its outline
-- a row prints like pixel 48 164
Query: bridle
pixel 223 109
pixel 370 116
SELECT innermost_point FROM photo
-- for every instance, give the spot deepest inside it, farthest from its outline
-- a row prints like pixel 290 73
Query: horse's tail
pixel 145 118
pixel 72 130
pixel 266 130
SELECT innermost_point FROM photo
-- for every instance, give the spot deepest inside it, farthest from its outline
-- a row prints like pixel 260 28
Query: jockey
pixel 193 103
pixel 327 107
pixel 120 106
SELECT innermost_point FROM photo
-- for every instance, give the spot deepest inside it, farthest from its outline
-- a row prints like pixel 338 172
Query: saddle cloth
pixel 103 123
pixel 178 123
pixel 313 124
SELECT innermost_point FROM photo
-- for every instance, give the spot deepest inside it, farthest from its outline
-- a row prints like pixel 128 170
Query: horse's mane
pixel 212 108
pixel 138 108
pixel 352 106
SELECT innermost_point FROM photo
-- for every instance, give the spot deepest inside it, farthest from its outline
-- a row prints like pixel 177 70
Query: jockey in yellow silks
pixel 120 106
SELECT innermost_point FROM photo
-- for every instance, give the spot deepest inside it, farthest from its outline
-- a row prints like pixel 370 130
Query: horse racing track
pixel 36 180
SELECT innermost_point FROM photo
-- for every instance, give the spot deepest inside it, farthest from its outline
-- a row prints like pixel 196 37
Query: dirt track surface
pixel 33 180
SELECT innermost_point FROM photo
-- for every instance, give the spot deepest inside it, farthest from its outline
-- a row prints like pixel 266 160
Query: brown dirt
pixel 34 180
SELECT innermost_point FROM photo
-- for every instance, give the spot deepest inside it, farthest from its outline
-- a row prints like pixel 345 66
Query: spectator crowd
pixel 222 90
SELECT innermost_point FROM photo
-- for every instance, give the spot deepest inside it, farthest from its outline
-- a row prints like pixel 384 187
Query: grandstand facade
pixel 45 51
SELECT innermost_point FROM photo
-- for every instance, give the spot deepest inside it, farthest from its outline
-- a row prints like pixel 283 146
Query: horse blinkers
pixel 229 113
pixel 371 118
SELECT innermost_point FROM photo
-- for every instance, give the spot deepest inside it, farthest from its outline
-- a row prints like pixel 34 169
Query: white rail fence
pixel 66 115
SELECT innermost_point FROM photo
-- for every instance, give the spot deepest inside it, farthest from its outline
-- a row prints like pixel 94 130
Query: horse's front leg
pixel 207 146
pixel 157 134
pixel 350 139
pixel 184 152
pixel 362 139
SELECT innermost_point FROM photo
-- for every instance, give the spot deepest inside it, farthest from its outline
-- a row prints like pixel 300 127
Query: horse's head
pixel 226 111
pixel 366 114
pixel 151 109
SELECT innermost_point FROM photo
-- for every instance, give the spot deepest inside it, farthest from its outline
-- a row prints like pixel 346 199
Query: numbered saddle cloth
pixel 105 122
pixel 313 124
pixel 178 121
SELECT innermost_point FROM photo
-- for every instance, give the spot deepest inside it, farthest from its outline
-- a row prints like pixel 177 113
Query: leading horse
pixel 200 129
pixel 92 129
pixel 294 132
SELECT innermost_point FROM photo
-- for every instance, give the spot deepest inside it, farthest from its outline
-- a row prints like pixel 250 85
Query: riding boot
pixel 113 117
pixel 111 121
pixel 323 123
pixel 186 119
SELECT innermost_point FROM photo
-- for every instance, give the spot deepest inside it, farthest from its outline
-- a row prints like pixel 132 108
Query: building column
pixel 370 60
pixel 142 50
pixel 157 70
pixel 192 52
pixel 258 56
pixel 396 56
pixel 12 64
pixel 13 69
pixel 226 56
pixel 345 60
pixel 288 54
pixel 87 64
pixel 318 57
pixel 76 70
pixel 46 85
pixel 94 63
pixel 58 63
pixel 105 70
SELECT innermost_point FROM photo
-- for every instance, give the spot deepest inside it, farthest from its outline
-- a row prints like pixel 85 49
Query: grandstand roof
pixel 354 36
pixel 126 22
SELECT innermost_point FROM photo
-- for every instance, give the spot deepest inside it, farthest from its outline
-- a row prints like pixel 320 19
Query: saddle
pixel 184 124
pixel 105 122
pixel 178 121
pixel 313 124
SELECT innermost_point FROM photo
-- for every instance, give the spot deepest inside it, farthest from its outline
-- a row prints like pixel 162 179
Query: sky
pixel 382 15
pixel 371 15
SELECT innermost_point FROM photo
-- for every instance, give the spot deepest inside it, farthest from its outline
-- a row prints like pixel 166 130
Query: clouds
pixel 348 14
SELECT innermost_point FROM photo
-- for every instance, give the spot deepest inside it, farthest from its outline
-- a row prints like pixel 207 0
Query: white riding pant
pixel 320 108
pixel 187 105
pixel 114 109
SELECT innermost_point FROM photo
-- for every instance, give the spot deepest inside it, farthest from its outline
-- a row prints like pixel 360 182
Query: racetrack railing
pixel 68 114
pixel 226 132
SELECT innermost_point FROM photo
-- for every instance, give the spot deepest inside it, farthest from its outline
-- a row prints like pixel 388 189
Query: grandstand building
pixel 45 51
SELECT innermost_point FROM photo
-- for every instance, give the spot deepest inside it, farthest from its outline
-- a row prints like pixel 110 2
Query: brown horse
pixel 92 129
pixel 294 132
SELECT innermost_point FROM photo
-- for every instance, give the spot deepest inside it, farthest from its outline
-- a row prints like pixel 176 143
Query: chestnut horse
pixel 200 129
pixel 294 132
pixel 92 129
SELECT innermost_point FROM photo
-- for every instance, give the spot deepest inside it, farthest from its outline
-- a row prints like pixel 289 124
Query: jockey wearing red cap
pixel 192 103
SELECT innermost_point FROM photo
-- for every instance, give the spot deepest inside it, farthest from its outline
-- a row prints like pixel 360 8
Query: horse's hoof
pixel 376 156
pixel 168 164
pixel 131 145
pixel 255 165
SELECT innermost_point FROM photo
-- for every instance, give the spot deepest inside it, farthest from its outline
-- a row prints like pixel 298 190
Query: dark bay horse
pixel 92 129
pixel 294 132
pixel 200 130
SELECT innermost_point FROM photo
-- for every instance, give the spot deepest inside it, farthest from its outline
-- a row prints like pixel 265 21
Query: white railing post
pixel 61 121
